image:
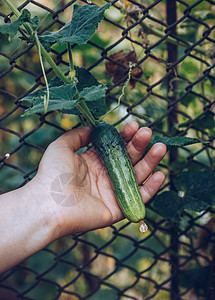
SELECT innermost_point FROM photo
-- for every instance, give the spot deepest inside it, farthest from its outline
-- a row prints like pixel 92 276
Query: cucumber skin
pixel 110 148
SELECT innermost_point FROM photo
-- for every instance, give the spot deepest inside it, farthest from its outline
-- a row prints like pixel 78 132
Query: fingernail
pixel 134 124
pixel 145 130
pixel 160 147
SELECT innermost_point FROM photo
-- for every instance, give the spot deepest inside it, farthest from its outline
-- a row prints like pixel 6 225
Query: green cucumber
pixel 110 148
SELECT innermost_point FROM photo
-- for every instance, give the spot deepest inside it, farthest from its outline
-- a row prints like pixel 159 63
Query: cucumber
pixel 110 148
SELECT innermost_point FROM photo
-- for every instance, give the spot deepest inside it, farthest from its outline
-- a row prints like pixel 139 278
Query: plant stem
pixel 83 108
pixel 70 58
pixel 13 8
pixel 23 34
pixel 54 66
pixel 81 118
pixel 46 98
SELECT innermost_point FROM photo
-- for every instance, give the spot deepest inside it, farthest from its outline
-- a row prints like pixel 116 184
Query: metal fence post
pixel 172 49
pixel 211 285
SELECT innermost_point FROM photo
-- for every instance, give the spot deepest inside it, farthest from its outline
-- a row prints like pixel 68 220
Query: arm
pixel 68 191
pixel 25 225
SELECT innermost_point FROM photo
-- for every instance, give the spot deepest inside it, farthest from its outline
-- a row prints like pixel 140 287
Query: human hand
pixel 77 186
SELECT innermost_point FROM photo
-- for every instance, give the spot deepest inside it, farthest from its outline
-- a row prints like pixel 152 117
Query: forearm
pixel 25 225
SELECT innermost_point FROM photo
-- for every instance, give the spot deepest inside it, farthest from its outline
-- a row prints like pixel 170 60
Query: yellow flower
pixel 127 3
pixel 72 73
pixel 66 123
pixel 124 4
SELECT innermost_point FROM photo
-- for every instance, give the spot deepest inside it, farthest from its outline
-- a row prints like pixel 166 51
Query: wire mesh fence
pixel 171 91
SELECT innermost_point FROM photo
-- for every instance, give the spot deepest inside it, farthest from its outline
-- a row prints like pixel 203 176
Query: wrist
pixel 43 211
pixel 27 224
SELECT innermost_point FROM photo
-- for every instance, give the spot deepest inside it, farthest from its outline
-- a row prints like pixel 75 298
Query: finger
pixel 128 131
pixel 75 138
pixel 145 167
pixel 152 185
pixel 138 144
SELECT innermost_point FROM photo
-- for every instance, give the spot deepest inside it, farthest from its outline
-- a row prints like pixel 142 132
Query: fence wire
pixel 172 92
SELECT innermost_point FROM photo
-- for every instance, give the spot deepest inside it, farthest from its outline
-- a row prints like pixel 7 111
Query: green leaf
pixel 85 80
pixel 12 28
pixel 34 22
pixel 197 277
pixel 187 99
pixel 80 29
pixel 94 97
pixel 169 205
pixel 206 121
pixel 104 294
pixel 93 93
pixel 198 189
pixel 58 48
pixel 173 142
pixel 61 97
pixel 84 77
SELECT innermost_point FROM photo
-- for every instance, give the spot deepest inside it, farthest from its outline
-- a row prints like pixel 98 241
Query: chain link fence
pixel 172 92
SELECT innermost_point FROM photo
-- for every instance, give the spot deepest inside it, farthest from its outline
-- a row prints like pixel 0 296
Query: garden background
pixel 171 91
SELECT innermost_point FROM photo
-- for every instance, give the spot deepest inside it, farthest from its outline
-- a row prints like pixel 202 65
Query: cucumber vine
pixel 46 98
pixel 71 79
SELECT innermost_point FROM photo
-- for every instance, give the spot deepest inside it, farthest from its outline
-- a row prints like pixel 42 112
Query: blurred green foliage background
pixel 118 255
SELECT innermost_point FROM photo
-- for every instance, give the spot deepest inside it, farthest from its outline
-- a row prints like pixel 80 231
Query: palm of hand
pixel 96 205
pixel 99 186
pixel 89 190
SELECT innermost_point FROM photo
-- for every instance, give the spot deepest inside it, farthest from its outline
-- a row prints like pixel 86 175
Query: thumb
pixel 75 138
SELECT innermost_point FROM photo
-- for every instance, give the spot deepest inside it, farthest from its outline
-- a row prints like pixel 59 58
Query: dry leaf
pixel 115 68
